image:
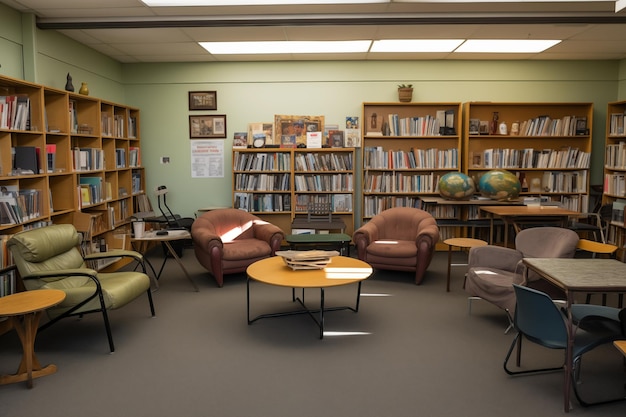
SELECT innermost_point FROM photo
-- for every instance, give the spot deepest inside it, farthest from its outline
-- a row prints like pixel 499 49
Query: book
pixel 26 160
pixel 288 141
pixel 335 138
pixel 240 140
pixel 352 138
pixel 313 140
pixel 51 154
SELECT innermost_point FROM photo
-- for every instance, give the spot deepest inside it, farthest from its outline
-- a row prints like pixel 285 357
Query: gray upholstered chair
pixel 492 270
pixel 398 239
pixel 49 257
pixel 227 241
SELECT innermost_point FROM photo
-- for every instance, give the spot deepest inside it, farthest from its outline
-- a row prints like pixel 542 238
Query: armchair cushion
pixel 227 241
pixel 401 239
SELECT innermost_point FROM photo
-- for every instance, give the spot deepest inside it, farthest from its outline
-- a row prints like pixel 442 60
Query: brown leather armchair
pixel 399 239
pixel 227 241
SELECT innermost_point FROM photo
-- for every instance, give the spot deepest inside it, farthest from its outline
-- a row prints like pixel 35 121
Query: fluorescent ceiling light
pixel 286 47
pixel 183 3
pixel 416 45
pixel 620 5
pixel 506 46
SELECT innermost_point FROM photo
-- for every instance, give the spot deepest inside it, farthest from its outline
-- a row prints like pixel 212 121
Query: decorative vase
pixel 405 95
pixel 84 90
pixel 68 85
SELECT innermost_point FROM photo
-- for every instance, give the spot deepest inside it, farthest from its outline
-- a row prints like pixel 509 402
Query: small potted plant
pixel 405 92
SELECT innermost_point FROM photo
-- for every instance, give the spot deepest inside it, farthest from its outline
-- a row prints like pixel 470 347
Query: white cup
pixel 139 228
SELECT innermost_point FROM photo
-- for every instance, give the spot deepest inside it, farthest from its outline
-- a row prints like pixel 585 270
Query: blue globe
pixel 456 186
pixel 499 184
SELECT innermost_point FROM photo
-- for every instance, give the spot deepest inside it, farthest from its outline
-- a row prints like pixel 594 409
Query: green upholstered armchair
pixel 49 257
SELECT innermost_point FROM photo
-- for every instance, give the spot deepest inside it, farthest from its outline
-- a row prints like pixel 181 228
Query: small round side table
pixel 463 243
pixel 24 311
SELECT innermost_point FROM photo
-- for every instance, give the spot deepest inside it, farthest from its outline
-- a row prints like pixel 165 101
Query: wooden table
pixel 459 242
pixel 621 346
pixel 341 271
pixel 152 236
pixel 516 215
pixel 24 310
pixel 579 276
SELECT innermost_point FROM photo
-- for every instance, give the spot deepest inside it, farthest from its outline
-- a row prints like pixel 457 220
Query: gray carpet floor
pixel 411 351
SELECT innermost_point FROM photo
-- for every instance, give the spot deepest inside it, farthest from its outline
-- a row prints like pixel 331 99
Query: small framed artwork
pixel 474 127
pixel 207 126
pixel 298 126
pixel 203 100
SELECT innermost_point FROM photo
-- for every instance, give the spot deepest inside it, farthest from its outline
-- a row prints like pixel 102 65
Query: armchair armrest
pixel 207 239
pixel 270 233
pixel 365 235
pixel 118 253
pixel 428 234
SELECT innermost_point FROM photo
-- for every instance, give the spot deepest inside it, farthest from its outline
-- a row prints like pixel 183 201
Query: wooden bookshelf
pixel 73 145
pixel 277 183
pixel 407 147
pixel 549 149
pixel 614 191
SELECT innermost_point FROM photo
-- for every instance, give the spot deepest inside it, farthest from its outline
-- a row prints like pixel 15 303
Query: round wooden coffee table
pixel 24 310
pixel 463 243
pixel 341 271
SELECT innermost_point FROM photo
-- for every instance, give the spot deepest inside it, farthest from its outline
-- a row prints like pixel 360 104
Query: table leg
pixel 30 368
pixel 569 354
pixel 178 261
pixel 449 267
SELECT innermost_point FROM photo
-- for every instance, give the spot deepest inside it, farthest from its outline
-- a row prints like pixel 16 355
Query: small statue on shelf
pixel 68 85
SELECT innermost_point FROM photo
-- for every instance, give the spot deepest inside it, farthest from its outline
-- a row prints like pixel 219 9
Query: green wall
pixel 255 92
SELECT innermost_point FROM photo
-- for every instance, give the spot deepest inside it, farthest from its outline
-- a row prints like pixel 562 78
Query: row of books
pixel 262 182
pixel 136 183
pixel 616 156
pixel 275 161
pixel 15 112
pixel 262 202
pixel 373 205
pixel 388 182
pixel 546 126
pixel 91 191
pixel 112 126
pixel 531 158
pixel 18 206
pixel 324 182
pixel 616 124
pixel 564 182
pixel 323 161
pixel 88 159
pixel 443 123
pixel 339 203
pixel 379 158
pixel 615 184
pixel 7 279
pixel 617 214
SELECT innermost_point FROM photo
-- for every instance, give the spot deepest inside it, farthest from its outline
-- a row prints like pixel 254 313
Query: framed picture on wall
pixel 207 126
pixel 203 100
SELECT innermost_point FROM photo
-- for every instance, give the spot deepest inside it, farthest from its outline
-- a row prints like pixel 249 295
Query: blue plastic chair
pixel 540 321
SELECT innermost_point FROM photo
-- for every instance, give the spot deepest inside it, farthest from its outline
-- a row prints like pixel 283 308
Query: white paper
pixel 207 158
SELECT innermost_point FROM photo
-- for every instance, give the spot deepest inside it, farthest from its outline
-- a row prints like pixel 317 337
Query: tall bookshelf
pixel 615 172
pixel 407 147
pixel 547 145
pixel 277 183
pixel 67 160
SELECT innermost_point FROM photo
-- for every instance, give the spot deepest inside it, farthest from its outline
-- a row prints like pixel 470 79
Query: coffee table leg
pixel 321 323
pixel 449 267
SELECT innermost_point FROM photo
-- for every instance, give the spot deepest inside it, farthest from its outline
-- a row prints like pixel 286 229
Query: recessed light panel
pixel 416 45
pixel 183 3
pixel 506 46
pixel 286 47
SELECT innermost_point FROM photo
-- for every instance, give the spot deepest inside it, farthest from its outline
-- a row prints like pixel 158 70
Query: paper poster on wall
pixel 207 159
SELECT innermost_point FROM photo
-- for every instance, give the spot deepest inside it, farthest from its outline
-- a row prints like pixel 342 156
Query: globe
pixel 456 186
pixel 499 184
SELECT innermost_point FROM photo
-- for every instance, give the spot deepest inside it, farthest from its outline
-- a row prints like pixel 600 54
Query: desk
pixel 515 215
pixel 341 240
pixel 151 236
pixel 579 275
pixel 341 271
pixel 621 346
pixel 24 310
